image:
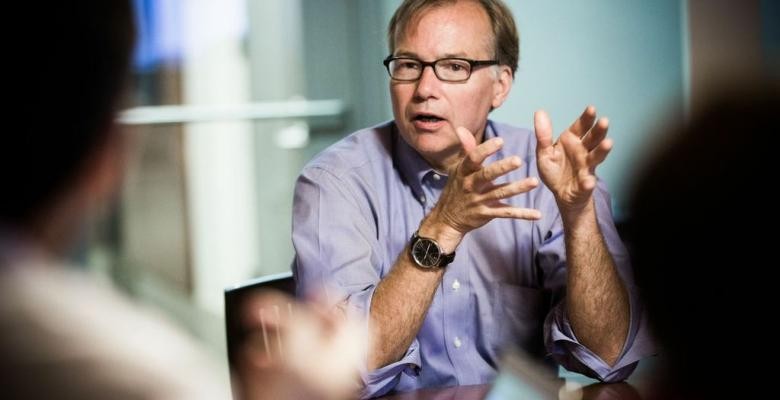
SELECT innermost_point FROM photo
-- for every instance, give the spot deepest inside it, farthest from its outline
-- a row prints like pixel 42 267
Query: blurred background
pixel 231 98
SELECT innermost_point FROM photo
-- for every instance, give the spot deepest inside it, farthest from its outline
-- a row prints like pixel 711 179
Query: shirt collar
pixel 412 166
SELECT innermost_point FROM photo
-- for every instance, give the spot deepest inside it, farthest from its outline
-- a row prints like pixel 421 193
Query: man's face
pixel 428 110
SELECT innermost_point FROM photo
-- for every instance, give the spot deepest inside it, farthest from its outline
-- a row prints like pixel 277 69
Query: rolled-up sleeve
pixel 382 380
pixel 559 337
pixel 338 259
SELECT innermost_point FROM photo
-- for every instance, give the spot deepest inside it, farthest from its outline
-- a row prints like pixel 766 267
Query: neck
pixel 448 160
pixel 57 229
pixel 443 165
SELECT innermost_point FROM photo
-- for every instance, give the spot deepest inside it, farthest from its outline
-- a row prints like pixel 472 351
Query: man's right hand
pixel 471 199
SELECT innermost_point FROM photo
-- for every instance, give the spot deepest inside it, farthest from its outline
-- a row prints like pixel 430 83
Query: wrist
pixel 446 236
pixel 573 217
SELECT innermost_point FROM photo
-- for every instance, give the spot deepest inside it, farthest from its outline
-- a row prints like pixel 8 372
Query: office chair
pixel 235 296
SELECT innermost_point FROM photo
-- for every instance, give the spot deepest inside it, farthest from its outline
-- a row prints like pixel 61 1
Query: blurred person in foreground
pixel 455 235
pixel 62 333
pixel 704 282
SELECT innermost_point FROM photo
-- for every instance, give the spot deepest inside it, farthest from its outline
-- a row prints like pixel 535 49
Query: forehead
pixel 459 29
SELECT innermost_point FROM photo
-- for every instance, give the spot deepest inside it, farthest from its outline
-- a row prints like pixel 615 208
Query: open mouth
pixel 428 118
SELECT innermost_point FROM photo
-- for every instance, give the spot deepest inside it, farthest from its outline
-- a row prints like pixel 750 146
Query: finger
pixel 587 181
pixel 507 211
pixel 507 190
pixel 467 141
pixel 574 150
pixel 596 134
pixel 599 154
pixel 582 125
pixel 499 168
pixel 265 299
pixel 267 329
pixel 474 159
pixel 543 130
pixel 278 314
pixel 254 352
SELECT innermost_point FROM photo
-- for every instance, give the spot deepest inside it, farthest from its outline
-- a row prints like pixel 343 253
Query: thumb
pixel 467 141
pixel 543 129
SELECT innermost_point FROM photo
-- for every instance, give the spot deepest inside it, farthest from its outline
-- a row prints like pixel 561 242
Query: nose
pixel 428 84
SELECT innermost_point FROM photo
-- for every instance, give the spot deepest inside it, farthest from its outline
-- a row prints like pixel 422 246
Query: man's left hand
pixel 568 166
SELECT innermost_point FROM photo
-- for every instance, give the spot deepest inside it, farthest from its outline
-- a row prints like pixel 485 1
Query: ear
pixel 94 184
pixel 501 86
pixel 106 168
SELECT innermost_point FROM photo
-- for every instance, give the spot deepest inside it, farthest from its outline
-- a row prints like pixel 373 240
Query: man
pixel 62 334
pixel 492 252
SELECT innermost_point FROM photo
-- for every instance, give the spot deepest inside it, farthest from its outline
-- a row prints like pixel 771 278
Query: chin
pixel 435 145
pixel 431 142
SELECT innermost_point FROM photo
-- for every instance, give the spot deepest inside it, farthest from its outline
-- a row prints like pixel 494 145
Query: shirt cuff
pixel 381 381
pixel 574 356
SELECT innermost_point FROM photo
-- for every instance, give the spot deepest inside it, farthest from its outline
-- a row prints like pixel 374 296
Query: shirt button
pixel 455 285
pixel 436 177
pixel 422 199
pixel 457 342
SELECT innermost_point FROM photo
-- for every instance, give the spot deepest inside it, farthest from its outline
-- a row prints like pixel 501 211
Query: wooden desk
pixel 596 391
pixel 471 392
pixel 638 386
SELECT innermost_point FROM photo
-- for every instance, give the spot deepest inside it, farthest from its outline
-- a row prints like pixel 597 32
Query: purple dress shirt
pixel 358 203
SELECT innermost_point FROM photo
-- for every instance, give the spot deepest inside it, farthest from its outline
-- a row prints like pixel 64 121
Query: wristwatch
pixel 427 253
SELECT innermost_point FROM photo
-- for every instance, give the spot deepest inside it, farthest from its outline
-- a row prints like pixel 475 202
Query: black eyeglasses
pixel 409 69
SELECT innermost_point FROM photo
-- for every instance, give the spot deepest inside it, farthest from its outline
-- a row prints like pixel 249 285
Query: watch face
pixel 426 253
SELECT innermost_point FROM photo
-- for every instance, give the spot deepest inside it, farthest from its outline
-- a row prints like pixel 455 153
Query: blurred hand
pixel 568 166
pixel 299 350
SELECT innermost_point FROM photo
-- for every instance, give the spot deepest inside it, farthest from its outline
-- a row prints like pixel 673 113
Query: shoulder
pixel 59 316
pixel 362 150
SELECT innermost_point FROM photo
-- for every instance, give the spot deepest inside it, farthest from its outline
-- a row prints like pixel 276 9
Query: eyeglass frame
pixel 473 64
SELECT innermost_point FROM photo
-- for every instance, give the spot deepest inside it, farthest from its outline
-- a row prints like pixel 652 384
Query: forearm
pixel 402 299
pixel 398 308
pixel 596 302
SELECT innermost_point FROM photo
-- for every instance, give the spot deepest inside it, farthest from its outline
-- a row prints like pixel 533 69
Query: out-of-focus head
pixel 428 110
pixel 67 68
pixel 701 238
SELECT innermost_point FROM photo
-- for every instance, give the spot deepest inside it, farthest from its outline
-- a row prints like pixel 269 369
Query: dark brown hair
pixel 506 42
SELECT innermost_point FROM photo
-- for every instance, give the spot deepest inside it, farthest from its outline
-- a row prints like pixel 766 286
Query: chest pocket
pixel 519 314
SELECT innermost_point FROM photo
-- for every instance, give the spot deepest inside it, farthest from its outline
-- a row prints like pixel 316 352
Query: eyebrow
pixel 415 55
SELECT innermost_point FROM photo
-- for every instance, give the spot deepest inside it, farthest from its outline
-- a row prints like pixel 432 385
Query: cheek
pixel 398 102
pixel 400 94
pixel 472 108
